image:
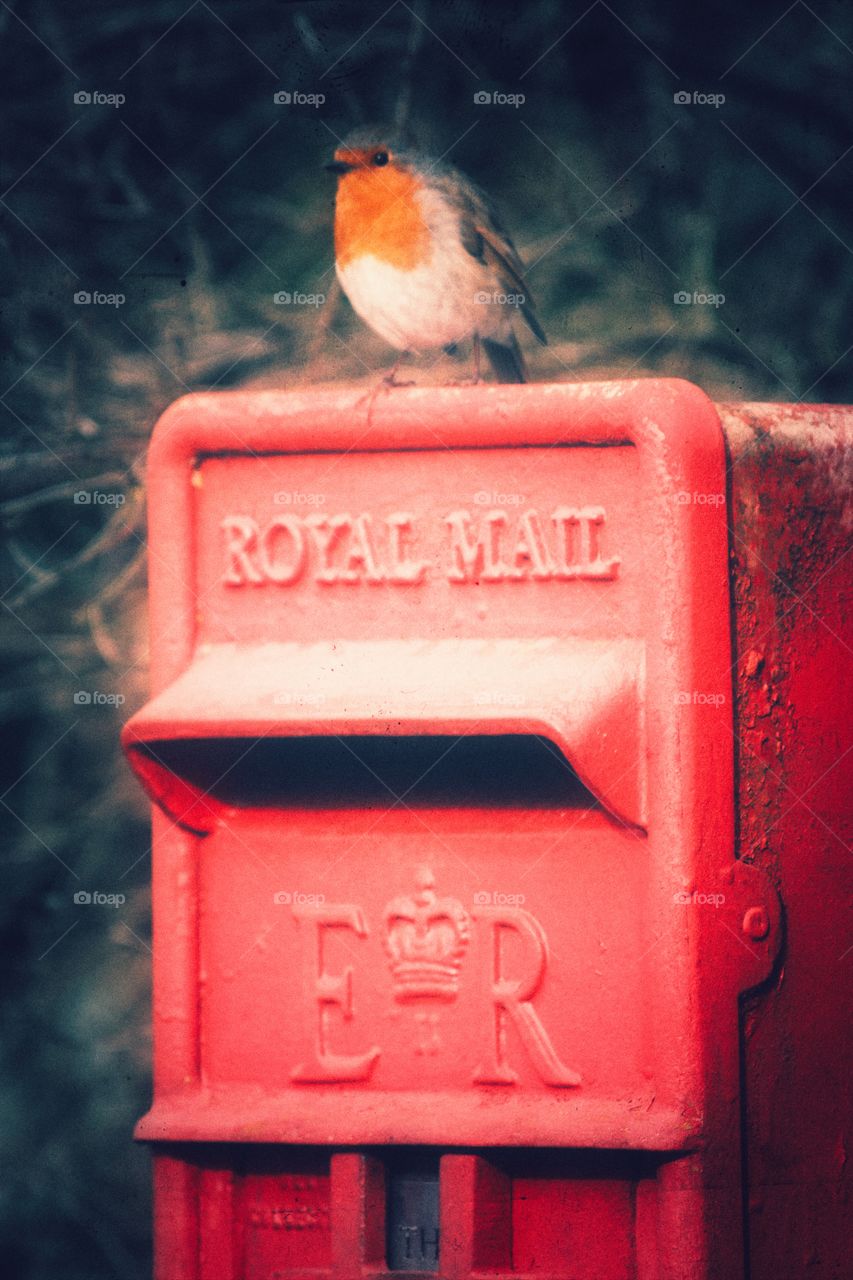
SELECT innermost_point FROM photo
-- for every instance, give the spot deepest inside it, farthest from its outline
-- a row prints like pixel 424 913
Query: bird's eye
pixel 380 157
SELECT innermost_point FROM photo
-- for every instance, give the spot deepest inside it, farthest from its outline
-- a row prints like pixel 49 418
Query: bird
pixel 423 256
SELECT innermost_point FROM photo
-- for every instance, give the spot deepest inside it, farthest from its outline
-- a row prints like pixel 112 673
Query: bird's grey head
pixel 374 146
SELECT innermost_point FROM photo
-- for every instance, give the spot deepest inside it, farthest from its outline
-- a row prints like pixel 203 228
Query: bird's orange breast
pixel 377 212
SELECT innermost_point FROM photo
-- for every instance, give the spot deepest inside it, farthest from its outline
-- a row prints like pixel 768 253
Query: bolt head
pixel 756 923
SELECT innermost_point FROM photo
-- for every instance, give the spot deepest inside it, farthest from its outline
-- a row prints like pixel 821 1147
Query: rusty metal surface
pixel 792 518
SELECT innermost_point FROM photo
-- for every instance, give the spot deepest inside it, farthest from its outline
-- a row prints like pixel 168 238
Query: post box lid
pixel 583 694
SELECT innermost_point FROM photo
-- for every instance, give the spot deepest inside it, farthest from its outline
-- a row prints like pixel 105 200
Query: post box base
pixel 266 1212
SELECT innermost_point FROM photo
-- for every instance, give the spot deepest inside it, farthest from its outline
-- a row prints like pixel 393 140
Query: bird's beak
pixel 339 166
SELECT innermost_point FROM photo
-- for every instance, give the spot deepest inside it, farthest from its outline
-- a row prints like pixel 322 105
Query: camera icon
pixel 681 99
pixel 82 297
pixel 82 98
pixel 82 898
pixel 282 98
pixel 482 98
pixel 82 498
pixel 282 899
pixel 282 298
pixel 82 698
pixel 682 298
pixel 482 898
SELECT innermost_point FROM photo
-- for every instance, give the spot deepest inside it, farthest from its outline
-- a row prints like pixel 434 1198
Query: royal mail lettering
pixel 330 990
pixel 563 544
pixel 512 1002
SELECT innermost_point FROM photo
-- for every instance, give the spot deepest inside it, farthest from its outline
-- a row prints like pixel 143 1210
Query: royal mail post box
pixel 450 931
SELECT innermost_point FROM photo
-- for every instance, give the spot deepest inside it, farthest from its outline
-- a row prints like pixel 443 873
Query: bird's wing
pixel 487 240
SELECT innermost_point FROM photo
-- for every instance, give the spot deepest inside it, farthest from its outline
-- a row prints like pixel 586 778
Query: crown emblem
pixel 425 938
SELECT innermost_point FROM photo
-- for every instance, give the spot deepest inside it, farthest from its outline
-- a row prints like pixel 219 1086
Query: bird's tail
pixel 506 359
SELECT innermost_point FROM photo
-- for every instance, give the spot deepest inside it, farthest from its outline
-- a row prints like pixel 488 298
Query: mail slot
pixel 449 929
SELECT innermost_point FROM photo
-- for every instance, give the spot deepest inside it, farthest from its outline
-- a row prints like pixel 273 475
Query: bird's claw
pixel 390 380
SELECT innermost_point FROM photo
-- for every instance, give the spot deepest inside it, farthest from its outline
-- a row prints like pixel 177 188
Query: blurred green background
pixel 195 200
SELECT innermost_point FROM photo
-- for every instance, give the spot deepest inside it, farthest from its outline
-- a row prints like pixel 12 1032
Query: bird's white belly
pixel 423 308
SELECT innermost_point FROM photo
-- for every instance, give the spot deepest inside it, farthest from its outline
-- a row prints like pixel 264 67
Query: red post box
pixel 450 930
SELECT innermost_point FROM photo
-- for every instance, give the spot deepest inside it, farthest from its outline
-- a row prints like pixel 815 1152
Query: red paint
pixel 545 971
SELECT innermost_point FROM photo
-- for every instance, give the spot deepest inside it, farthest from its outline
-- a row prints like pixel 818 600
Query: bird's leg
pixel 391 379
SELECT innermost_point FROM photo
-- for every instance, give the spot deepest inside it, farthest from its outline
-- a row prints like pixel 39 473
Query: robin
pixel 422 255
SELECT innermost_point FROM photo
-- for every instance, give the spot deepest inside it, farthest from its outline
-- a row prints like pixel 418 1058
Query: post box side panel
pixel 792 477
pixel 174 905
